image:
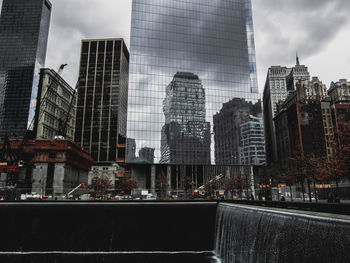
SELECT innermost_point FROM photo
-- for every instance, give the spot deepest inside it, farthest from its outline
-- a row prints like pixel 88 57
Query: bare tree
pixel 162 185
pixel 100 184
pixel 126 184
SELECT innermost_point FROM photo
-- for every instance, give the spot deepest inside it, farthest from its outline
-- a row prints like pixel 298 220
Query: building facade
pixel 185 134
pixel 213 40
pixel 52 167
pixel 227 129
pixel 279 82
pixel 339 92
pixel 102 99
pixel 56 107
pixel 24 28
pixel 304 123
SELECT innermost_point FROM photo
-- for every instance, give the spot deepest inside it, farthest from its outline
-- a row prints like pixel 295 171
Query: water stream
pixel 246 234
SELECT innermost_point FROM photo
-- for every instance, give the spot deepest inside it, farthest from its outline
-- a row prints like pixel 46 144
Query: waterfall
pixel 249 234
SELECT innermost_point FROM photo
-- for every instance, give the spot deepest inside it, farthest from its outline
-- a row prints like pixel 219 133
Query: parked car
pixel 151 197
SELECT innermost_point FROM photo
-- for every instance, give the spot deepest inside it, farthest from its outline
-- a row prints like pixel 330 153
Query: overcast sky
pixel 319 30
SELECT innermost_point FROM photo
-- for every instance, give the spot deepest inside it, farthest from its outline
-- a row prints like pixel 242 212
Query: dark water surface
pixel 137 257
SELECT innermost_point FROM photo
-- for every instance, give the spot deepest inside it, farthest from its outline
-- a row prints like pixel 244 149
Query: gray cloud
pixel 282 27
pixel 74 20
pixel 304 26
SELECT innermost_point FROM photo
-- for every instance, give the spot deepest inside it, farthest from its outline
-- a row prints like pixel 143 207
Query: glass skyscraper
pixel 24 28
pixel 187 59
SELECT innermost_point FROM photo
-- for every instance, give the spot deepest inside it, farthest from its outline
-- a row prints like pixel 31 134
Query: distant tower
pixel 102 99
pixel 24 28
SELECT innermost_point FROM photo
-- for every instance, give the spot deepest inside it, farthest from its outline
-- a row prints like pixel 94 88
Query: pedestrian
pixel 330 197
pixel 283 198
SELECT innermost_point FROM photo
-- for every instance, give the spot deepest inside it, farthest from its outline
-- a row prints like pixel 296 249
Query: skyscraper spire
pixel 297 60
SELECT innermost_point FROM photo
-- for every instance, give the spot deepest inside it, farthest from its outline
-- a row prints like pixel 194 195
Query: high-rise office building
pixel 102 99
pixel 185 134
pixel 24 28
pixel 56 107
pixel 213 40
pixel 280 81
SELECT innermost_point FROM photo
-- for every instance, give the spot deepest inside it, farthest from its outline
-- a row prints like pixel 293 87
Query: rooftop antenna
pixel 297 60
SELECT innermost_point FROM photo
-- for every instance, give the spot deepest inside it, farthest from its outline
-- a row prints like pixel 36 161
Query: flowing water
pixel 117 257
pixel 248 234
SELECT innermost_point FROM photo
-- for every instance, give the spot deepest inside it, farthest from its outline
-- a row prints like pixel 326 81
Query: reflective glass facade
pixel 188 58
pixel 24 27
pixel 102 99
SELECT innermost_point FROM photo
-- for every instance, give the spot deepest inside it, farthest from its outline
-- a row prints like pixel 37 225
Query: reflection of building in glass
pixel 252 146
pixel 130 153
pixel 213 39
pixel 186 134
pixel 227 129
pixel 24 27
pixel 56 99
pixel 147 154
pixel 102 99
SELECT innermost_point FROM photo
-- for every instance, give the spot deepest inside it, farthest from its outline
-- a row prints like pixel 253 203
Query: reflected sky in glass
pixel 212 39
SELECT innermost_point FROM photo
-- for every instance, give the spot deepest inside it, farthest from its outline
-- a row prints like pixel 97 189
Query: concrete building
pixel 56 107
pixel 339 92
pixel 279 82
pixel 252 146
pixel 185 134
pixel 227 129
pixel 103 99
pixel 52 166
pixel 24 28
pixel 311 90
pixel 109 171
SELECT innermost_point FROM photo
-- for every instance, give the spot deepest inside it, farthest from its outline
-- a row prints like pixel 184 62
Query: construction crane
pixel 76 188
